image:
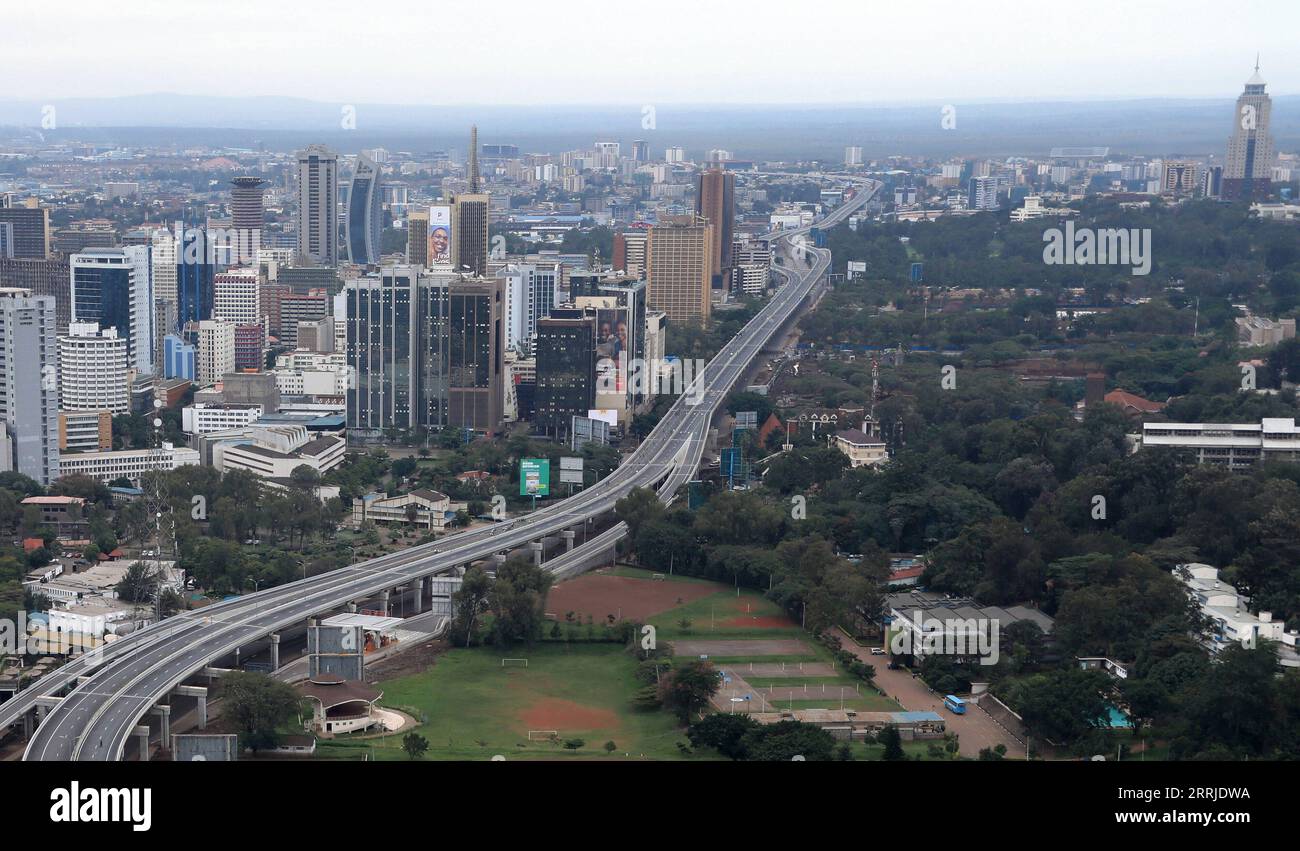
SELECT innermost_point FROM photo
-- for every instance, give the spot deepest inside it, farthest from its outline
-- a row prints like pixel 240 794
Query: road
pixel 96 719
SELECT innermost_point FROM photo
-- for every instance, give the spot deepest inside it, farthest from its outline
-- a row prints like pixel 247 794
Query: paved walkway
pixel 975 730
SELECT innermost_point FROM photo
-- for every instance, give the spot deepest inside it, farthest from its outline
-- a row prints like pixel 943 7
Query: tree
pixel 610 747
pixel 722 732
pixel 688 689
pixel 415 745
pixel 259 707
pixel 468 602
pixel 785 740
pixel 893 742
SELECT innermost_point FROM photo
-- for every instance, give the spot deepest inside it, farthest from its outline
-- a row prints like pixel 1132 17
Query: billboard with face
pixel 439 234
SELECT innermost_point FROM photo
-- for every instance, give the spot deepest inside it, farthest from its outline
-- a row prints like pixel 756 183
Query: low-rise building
pixel 424 508
pixel 1229 615
pixel 207 418
pixel 127 463
pixel 274 453
pixel 862 449
pixel 1233 445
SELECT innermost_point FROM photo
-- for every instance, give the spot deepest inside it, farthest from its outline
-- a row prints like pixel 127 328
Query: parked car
pixel 877 651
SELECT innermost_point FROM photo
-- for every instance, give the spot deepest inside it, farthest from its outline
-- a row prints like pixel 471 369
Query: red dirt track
pixel 553 713
pixel 600 595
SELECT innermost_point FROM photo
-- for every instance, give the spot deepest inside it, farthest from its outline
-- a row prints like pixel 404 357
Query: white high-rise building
pixel 113 288
pixel 853 155
pixel 236 297
pixel 1248 168
pixel 93 373
pixel 163 260
pixel 216 355
pixel 318 201
pixel 29 385
pixel 531 291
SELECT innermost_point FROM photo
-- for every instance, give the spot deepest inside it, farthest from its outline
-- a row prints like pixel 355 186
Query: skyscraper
pixel 318 200
pixel 365 214
pixel 216 355
pixel 1248 168
pixel 29 385
pixel 195 274
pixel 113 288
pixel 247 214
pixel 679 263
pixel 417 237
pixel 28 228
pixel 715 200
pixel 469 234
pixel 236 296
pixel 426 350
pixel 566 369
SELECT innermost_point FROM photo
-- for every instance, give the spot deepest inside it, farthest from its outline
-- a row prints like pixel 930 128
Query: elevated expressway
pixel 112 689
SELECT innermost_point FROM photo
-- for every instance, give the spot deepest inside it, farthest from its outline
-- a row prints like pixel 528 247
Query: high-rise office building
pixel 715 200
pixel 318 200
pixel 296 308
pixel 113 288
pixel 42 277
pixel 983 193
pixel 566 369
pixel 475 350
pixel 853 155
pixel 195 273
pixel 1179 177
pixel 29 386
pixel 426 350
pixel 93 370
pixel 162 256
pixel 250 346
pixel 679 264
pixel 216 350
pixel 417 237
pixel 247 214
pixel 1248 168
pixel 28 227
pixel 237 296
pixel 531 291
pixel 469 234
pixel 629 252
pixel 640 151
pixel 365 214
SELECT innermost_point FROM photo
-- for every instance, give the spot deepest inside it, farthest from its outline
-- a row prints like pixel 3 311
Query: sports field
pixel 473 708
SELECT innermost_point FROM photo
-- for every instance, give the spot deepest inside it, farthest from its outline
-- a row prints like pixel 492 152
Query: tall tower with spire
pixel 1248 167
pixel 473 159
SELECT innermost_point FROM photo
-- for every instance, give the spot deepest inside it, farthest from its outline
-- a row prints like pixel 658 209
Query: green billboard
pixel 535 477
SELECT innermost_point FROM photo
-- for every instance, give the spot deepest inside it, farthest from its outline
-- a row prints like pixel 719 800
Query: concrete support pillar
pixel 568 535
pixel 142 734
pixel 539 551
pixel 352 607
pixel 29 724
pixel 165 712
pixel 383 603
pixel 238 650
pixel 275 651
pixel 40 713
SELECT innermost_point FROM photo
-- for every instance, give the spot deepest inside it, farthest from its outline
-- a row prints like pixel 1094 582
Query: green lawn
pixel 475 709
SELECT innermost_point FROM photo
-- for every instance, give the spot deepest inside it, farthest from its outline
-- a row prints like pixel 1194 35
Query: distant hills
pixel 1152 126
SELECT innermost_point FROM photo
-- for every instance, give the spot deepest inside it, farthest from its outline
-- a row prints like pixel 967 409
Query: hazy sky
pixel 647 51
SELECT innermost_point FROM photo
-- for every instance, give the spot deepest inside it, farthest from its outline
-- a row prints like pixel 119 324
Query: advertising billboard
pixel 439 234
pixel 535 477
pixel 606 415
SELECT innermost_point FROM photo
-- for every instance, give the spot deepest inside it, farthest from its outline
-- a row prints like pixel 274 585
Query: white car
pixel 877 651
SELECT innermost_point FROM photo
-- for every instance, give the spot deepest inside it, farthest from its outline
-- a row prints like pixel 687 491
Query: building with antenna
pixel 1248 168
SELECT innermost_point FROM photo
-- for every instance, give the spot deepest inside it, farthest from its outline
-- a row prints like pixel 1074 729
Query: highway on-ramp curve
pixel 112 693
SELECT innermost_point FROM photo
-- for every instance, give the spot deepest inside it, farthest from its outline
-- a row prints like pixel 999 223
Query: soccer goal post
pixel 505 662
pixel 534 735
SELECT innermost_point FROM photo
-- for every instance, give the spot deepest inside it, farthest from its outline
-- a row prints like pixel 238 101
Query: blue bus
pixel 954 704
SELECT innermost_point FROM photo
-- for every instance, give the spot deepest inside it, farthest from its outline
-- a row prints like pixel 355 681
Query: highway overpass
pixel 112 689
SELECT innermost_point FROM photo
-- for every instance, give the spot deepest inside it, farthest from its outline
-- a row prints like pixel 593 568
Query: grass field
pixel 475 709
